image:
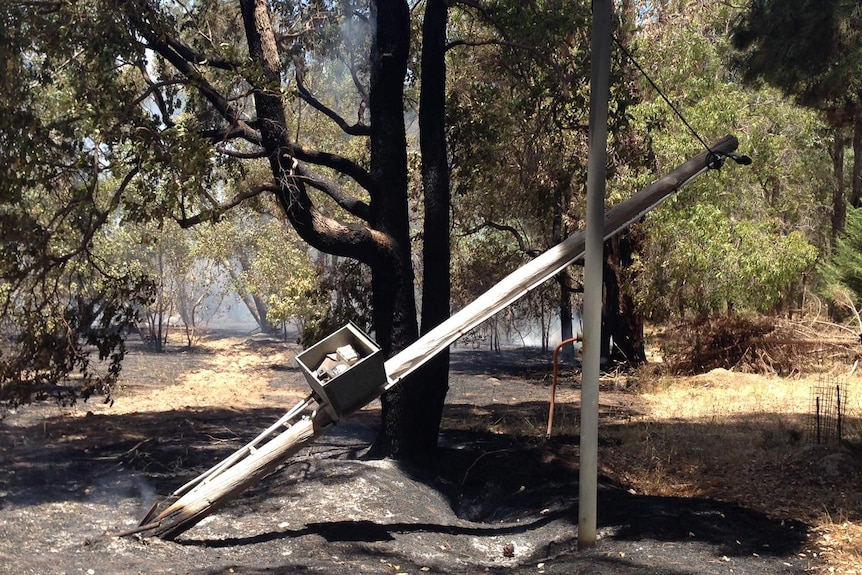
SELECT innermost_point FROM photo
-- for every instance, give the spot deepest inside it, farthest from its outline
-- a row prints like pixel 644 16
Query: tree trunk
pixel 395 322
pixel 621 321
pixel 423 400
pixel 567 330
pixel 564 280
pixel 839 208
pixel 856 193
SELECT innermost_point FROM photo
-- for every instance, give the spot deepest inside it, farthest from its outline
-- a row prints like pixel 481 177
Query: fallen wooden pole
pixel 542 268
pixel 247 449
pixel 224 482
pixel 207 498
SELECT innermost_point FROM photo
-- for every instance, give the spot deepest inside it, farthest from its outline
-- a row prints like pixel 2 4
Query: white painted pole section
pixel 593 264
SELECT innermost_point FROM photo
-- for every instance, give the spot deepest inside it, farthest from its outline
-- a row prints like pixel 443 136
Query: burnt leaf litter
pixel 487 502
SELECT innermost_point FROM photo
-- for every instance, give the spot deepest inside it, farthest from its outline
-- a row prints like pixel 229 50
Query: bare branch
pixel 338 163
pixel 358 129
pixel 346 201
pixel 217 211
pixel 241 155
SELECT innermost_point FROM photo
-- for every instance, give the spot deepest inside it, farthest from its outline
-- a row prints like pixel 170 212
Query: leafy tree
pixel 63 311
pixel 813 51
pixel 519 103
pixel 742 232
pixel 264 263
pixel 165 106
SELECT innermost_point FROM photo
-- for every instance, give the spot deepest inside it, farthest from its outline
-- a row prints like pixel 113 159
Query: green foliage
pixel 265 263
pixel 811 49
pixel 63 334
pixel 709 261
pixel 65 122
pixel 742 237
pixel 517 110
pixel 842 271
pixel 107 145
pixel 342 295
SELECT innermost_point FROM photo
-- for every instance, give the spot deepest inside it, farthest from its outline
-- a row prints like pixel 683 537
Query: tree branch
pixel 329 187
pixel 241 155
pixel 164 45
pixel 218 210
pixel 357 241
pixel 536 53
pixel 338 163
pixel 522 243
pixel 201 60
pixel 358 129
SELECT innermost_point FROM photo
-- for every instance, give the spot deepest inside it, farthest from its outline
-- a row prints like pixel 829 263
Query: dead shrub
pixel 764 345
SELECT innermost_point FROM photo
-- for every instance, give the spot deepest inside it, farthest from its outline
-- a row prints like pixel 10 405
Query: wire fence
pixel 834 411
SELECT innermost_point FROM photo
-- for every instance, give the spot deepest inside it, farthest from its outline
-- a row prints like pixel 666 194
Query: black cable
pixel 714 159
pixel 660 93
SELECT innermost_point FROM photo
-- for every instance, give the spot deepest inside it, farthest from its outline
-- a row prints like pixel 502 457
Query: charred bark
pixel 422 407
pixel 395 322
pixel 620 318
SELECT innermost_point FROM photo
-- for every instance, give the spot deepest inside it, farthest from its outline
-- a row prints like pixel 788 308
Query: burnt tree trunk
pixel 412 412
pixel 384 244
pixel 410 420
pixel 620 318
pixel 395 322
pixel 423 400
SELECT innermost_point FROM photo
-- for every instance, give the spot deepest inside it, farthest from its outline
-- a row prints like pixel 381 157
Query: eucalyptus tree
pixel 812 50
pixel 519 102
pixel 153 104
pixel 738 243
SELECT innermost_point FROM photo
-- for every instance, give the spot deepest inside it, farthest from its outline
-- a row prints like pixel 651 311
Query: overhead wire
pixel 714 160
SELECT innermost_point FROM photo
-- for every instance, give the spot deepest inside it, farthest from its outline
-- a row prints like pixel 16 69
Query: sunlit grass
pixel 745 438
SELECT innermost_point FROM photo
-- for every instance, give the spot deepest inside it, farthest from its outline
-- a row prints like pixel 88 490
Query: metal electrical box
pixel 345 369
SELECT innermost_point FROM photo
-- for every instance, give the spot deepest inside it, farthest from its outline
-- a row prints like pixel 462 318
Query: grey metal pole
pixel 593 264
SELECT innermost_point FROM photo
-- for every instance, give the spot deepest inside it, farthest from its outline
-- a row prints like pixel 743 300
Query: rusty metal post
pixel 554 381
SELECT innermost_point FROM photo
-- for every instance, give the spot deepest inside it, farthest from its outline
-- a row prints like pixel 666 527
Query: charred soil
pixel 498 497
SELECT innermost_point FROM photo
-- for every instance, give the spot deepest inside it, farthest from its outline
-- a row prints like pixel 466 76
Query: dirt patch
pixel 497 498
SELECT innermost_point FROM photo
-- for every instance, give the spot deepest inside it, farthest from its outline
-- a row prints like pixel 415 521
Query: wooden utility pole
pixel 225 481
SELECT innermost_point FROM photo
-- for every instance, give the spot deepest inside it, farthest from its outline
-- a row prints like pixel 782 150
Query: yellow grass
pixel 742 438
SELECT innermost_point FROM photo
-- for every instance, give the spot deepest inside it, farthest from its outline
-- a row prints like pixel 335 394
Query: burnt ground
pixel 490 502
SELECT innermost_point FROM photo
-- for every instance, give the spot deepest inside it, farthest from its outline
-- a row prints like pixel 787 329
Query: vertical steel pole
pixel 593 264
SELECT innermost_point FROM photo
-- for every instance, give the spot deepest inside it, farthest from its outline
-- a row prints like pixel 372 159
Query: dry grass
pixel 743 438
pixel 218 372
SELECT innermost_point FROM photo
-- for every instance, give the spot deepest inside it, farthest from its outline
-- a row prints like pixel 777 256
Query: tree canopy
pixel 281 130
